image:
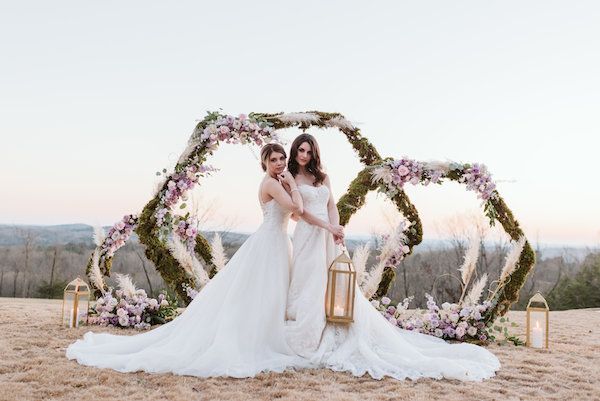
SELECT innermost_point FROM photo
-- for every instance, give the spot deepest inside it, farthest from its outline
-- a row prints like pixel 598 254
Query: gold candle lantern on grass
pixel 339 297
pixel 76 303
pixel 538 322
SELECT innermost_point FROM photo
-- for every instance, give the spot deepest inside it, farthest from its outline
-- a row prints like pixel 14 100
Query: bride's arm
pixel 332 210
pixel 335 229
pixel 290 201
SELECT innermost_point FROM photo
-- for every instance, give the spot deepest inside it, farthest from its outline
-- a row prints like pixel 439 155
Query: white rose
pixel 454 317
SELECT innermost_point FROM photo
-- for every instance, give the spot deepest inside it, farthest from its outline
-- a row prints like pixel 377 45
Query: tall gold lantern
pixel 76 303
pixel 538 322
pixel 339 297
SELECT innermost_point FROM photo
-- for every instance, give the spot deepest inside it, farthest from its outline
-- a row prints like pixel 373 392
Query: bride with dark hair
pixel 235 325
pixel 370 344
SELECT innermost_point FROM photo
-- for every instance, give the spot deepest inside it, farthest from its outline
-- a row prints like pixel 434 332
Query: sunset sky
pixel 95 97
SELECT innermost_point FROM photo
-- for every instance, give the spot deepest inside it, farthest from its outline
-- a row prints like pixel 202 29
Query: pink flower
pixel 403 170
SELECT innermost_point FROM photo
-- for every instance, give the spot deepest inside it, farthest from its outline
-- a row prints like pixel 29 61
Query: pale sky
pixel 95 97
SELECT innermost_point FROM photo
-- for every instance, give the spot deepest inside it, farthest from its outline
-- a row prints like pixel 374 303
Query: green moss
pixel 509 294
pixel 167 266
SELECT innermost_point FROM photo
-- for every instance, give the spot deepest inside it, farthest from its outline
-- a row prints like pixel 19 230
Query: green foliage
pixel 581 290
pixel 51 291
pixel 499 333
pixel 168 313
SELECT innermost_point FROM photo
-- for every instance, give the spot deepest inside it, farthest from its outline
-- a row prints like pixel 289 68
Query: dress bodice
pixel 315 199
pixel 274 215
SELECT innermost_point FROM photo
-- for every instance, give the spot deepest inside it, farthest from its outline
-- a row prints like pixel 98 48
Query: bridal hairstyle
pixel 314 165
pixel 266 152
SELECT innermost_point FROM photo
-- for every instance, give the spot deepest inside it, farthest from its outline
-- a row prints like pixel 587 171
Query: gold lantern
pixel 339 298
pixel 538 322
pixel 76 302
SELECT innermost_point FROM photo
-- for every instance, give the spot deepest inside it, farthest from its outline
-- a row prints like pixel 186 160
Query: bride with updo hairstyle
pixel 235 325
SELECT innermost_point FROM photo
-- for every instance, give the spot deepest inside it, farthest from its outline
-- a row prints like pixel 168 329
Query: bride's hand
pixel 338 240
pixel 287 178
pixel 336 230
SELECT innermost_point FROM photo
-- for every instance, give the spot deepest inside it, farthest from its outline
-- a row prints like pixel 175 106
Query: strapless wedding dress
pixel 233 327
pixel 370 344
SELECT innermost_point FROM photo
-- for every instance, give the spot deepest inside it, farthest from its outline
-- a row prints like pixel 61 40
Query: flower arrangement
pixel 392 175
pixel 106 246
pixel 451 321
pixel 394 246
pixel 186 229
pixel 118 235
pixel 133 311
pixel 213 129
pixel 177 185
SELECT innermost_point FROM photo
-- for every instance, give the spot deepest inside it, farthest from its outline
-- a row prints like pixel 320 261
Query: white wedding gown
pixel 233 327
pixel 370 344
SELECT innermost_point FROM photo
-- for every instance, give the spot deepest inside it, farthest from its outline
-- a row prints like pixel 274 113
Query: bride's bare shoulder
pixel 270 183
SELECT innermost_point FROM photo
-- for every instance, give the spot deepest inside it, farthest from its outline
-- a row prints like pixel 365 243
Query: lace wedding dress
pixel 233 327
pixel 370 344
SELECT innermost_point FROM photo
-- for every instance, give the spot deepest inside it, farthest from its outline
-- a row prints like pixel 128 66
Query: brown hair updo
pixel 266 152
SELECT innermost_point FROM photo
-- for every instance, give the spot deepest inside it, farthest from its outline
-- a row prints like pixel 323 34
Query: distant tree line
pixel 33 270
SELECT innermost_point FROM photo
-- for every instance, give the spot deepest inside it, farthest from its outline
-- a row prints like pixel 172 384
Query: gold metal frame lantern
pixel 537 334
pixel 339 297
pixel 76 303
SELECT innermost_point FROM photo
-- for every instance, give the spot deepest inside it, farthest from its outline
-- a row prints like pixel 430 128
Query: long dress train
pixel 370 344
pixel 233 327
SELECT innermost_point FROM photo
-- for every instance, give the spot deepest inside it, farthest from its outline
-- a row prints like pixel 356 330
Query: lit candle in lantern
pixel 536 335
pixel 338 311
pixel 74 323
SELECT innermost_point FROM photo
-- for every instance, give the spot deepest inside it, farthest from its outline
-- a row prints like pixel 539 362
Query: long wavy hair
pixel 314 165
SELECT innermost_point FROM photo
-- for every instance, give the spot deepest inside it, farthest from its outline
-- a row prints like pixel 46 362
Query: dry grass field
pixel 33 366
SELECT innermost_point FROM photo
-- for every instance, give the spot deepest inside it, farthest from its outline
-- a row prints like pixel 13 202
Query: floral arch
pixel 183 258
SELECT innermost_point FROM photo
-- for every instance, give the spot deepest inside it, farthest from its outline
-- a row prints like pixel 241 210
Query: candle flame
pixel 537 324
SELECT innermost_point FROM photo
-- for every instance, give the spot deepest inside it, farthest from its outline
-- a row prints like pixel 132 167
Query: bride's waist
pixel 321 216
pixel 318 212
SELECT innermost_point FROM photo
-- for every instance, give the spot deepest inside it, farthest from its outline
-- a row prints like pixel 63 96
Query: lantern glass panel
pixel 342 290
pixel 69 300
pixel 82 309
pixel 537 327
